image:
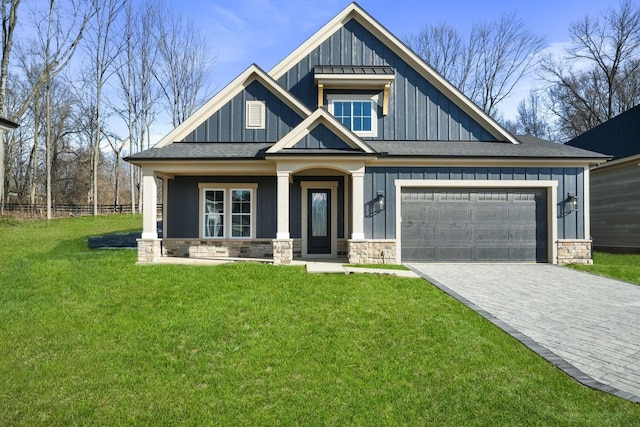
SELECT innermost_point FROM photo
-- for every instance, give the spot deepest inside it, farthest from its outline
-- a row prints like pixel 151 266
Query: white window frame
pixel 331 98
pixel 227 189
pixel 255 113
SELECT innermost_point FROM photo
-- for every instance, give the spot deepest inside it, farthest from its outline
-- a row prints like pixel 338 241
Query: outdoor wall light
pixel 571 203
pixel 378 203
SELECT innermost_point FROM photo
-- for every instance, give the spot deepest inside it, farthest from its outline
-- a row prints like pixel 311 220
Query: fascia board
pixel 477 162
pixel 354 11
pixel 625 161
pixel 227 94
pixel 319 116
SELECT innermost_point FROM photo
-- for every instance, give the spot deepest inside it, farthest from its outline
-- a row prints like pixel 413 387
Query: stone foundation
pixel 574 252
pixel 372 251
pixel 282 251
pixel 209 248
pixel 149 250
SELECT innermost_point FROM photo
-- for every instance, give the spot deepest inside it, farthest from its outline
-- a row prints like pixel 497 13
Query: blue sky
pixel 242 32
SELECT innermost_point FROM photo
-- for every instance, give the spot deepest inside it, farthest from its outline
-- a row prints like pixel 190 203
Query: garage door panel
pixel 474 224
pixel 460 253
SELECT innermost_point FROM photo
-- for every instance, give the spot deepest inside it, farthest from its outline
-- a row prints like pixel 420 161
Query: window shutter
pixel 255 115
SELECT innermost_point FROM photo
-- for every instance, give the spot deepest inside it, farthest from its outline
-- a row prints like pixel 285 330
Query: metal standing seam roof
pixel 354 70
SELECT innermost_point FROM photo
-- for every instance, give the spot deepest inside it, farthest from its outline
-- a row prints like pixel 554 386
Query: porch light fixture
pixel 571 203
pixel 378 203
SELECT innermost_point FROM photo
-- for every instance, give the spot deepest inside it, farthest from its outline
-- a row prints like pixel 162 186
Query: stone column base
pixel 149 250
pixel 371 251
pixel 575 251
pixel 282 251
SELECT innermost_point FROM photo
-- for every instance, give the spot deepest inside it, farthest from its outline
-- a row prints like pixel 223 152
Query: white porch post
pixel 149 205
pixel 283 244
pixel 283 206
pixel 357 209
pixel 149 246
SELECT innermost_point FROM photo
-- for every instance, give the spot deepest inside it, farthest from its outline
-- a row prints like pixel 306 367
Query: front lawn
pixel 89 338
pixel 616 266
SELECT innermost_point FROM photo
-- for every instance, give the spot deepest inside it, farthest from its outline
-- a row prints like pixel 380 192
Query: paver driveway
pixel 591 322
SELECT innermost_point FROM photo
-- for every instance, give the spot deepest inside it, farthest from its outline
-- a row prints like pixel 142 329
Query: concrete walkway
pixel 586 325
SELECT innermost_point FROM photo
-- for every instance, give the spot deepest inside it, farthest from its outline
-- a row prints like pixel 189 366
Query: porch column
pixel 149 205
pixel 283 206
pixel 357 210
pixel 283 244
pixel 149 247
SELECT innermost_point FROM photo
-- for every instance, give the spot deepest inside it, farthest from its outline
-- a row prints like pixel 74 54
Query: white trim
pixel 587 203
pixel 227 94
pixel 227 188
pixel 552 200
pixel 342 97
pixel 310 123
pixel 321 185
pixel 354 11
pixel 618 162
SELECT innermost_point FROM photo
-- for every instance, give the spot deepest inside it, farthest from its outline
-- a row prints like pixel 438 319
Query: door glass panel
pixel 319 214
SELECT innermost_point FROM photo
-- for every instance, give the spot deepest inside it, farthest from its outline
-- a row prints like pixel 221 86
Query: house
pixel 352 146
pixel 615 185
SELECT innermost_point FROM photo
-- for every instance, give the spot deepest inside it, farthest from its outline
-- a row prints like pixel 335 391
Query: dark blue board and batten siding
pixel 382 224
pixel 417 110
pixel 183 215
pixel 229 125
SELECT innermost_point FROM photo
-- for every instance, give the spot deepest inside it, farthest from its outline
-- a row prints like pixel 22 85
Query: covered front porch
pixel 315 208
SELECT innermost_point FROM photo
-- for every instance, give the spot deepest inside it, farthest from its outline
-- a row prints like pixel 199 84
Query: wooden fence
pixel 58 211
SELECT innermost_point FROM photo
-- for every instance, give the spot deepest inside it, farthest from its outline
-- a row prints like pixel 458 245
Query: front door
pixel 319 221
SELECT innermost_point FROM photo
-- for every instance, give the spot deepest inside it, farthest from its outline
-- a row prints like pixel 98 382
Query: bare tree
pixel 101 47
pixel 185 65
pixel 137 88
pixel 600 76
pixel 57 40
pixel 531 118
pixel 486 67
pixel 9 19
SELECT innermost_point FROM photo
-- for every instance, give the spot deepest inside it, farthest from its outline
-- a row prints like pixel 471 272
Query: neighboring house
pixel 615 185
pixel 352 146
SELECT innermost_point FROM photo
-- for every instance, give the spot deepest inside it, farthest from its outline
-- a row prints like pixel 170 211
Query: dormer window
pixel 359 112
pixel 356 78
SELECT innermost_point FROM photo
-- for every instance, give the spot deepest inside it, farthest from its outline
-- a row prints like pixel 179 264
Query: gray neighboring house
pixel 353 147
pixel 615 185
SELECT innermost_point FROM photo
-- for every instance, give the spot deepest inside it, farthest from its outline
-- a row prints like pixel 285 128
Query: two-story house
pixel 352 146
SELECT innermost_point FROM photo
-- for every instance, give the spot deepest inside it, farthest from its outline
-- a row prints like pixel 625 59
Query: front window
pixel 358 113
pixel 240 213
pixel 227 211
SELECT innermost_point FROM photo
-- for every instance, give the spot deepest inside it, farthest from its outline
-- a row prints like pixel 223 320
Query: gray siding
pixel 322 137
pixel 382 225
pixel 183 204
pixel 228 123
pixel 417 110
pixel 615 208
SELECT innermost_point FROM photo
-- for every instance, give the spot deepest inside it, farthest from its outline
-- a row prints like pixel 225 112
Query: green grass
pixel 89 338
pixel 616 266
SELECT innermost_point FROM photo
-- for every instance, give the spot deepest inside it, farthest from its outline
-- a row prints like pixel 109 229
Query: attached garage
pixel 474 224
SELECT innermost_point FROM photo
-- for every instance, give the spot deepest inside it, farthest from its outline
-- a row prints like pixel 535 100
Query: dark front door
pixel 319 221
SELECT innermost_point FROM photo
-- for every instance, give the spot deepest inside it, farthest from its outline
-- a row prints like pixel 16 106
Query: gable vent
pixel 255 115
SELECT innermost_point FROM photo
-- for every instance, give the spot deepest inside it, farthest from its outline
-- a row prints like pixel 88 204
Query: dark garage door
pixel 474 225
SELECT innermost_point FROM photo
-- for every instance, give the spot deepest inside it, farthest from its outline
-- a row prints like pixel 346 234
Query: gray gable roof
pixel 204 151
pixel 618 137
pixel 529 148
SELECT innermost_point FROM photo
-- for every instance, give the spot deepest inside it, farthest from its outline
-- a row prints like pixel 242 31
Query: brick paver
pixel 591 322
